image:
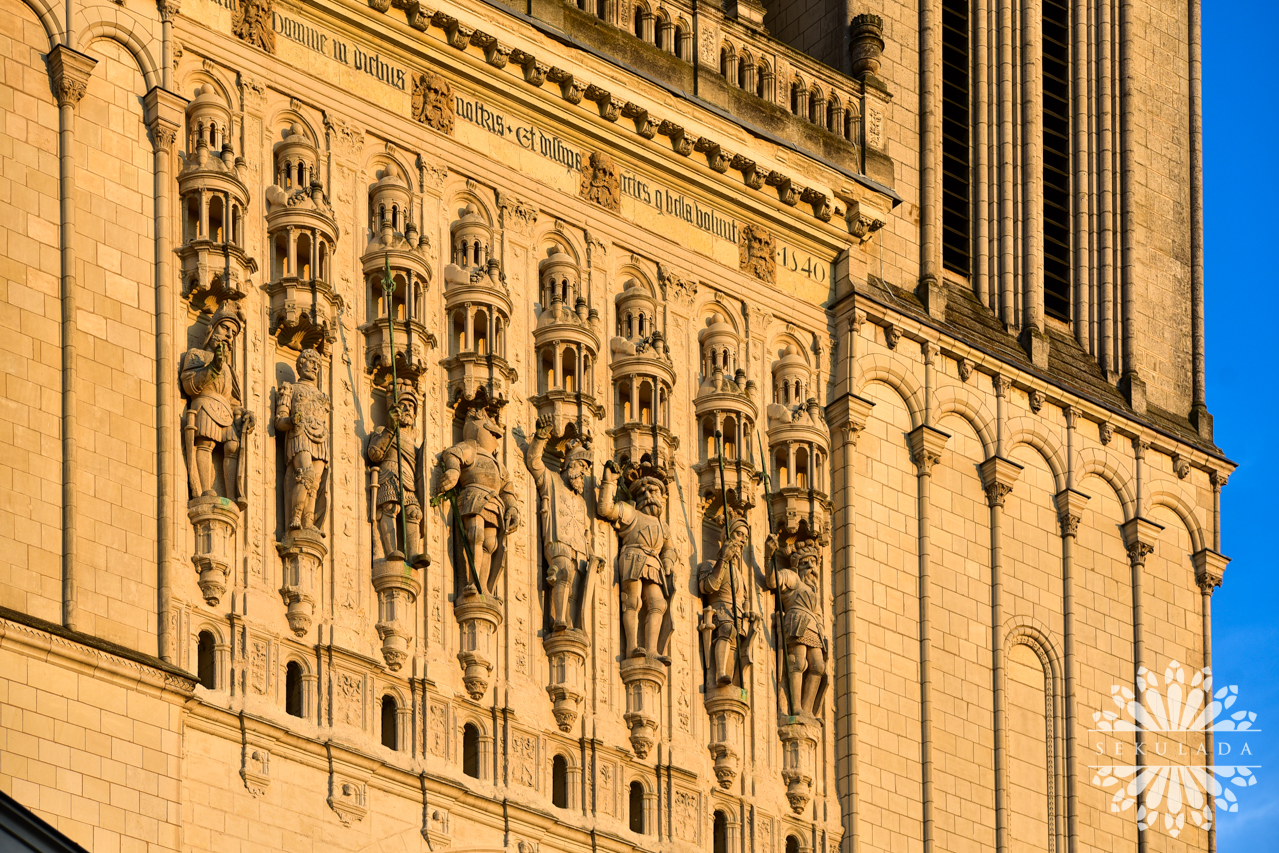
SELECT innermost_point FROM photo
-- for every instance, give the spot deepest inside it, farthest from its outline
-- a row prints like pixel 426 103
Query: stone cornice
pixel 101 658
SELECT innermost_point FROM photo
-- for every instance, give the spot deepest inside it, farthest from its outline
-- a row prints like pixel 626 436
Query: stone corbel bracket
pixel 609 108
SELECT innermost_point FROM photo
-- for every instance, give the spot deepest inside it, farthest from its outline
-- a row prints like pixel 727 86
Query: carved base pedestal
pixel 799 756
pixel 215 521
pixel 566 652
pixel 727 708
pixel 302 552
pixel 478 617
pixel 644 678
pixel 397 589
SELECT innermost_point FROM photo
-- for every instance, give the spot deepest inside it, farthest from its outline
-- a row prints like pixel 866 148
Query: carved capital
pixel 70 71
pixel 1070 509
pixel 926 445
pixel 165 112
pixel 1140 537
pixel 998 475
pixel 169 9
pixel 1210 569
pixel 1218 480
pixel 1071 414
pixel 1001 384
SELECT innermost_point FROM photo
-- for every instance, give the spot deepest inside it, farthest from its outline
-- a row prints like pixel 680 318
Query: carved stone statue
pixel 302 411
pixel 647 557
pixel 433 102
pixel 601 182
pixel 484 499
pixel 799 586
pixel 728 623
pixel 215 415
pixel 394 450
pixel 566 525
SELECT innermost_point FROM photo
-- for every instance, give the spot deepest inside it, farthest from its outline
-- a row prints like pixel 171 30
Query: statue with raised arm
pixel 484 498
pixel 215 416
pixel 302 413
pixel 393 450
pixel 799 586
pixel 565 523
pixel 647 557
pixel 728 623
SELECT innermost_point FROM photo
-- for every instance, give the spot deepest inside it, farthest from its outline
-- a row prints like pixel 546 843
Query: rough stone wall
pixel 1161 199
pixel 814 26
pixel 30 313
pixel 115 251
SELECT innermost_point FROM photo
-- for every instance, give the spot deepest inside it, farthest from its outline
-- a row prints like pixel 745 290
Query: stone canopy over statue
pixel 647 556
pixel 565 526
pixel 484 499
pixel 215 418
pixel 795 573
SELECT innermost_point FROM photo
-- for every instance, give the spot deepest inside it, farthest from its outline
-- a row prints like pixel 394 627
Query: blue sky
pixel 1241 123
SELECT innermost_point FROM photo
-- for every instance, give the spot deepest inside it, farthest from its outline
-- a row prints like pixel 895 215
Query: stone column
pixel 926 445
pixel 164 112
pixel 1033 339
pixel 1210 570
pixel 931 289
pixel 1140 536
pixel 997 478
pixel 1070 508
pixel 70 71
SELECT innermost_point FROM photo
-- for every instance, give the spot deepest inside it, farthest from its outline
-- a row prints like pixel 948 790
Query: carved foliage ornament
pixel 433 102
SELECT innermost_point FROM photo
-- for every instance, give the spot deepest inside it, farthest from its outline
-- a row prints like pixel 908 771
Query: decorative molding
pixel 71 71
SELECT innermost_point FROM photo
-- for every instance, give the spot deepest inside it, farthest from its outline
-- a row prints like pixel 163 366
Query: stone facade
pixel 442 427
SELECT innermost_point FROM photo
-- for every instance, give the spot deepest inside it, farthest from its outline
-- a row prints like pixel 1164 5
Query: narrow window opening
pixel 636 807
pixel 293 689
pixel 792 844
pixel 471 750
pixel 390 722
pixel 559 782
pixel 720 833
pixel 956 185
pixel 1057 195
pixel 206 661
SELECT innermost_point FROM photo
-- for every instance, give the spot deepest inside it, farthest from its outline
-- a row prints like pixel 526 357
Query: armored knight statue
pixel 647 558
pixel 215 415
pixel 799 587
pixel 728 623
pixel 566 525
pixel 393 450
pixel 302 413
pixel 483 497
